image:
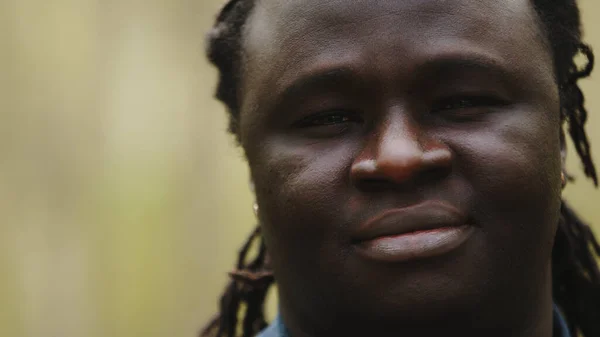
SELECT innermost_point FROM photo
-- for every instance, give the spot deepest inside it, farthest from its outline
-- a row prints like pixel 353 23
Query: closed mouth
pixel 428 216
pixel 424 230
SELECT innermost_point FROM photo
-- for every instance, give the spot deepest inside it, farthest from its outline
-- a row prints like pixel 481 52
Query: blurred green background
pixel 122 199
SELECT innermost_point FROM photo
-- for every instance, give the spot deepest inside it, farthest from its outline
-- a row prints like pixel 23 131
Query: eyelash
pixel 465 103
pixel 329 118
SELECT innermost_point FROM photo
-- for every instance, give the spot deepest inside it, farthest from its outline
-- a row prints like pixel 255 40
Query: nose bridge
pixel 398 140
pixel 399 150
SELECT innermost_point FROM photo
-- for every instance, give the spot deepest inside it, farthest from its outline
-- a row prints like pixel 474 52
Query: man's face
pixel 444 114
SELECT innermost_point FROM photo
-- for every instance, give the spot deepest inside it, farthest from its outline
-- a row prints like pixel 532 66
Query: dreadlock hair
pixel 575 272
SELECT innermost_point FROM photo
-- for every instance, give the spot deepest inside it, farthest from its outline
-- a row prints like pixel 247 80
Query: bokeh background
pixel 122 199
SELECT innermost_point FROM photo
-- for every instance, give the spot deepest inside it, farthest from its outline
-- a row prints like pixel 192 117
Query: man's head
pixel 351 110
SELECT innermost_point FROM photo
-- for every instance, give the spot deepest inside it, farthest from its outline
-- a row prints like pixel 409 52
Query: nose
pixel 400 151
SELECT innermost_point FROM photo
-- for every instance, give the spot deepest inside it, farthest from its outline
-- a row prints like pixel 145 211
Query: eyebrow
pixel 320 79
pixel 434 68
pixel 442 65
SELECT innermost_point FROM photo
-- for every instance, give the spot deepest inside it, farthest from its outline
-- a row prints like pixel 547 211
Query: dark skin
pixel 350 108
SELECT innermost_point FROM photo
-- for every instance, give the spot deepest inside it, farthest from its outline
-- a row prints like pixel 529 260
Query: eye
pixel 465 102
pixel 329 118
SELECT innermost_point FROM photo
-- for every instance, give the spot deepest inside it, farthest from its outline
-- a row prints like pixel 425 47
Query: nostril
pixel 374 181
pixel 435 173
pixel 373 184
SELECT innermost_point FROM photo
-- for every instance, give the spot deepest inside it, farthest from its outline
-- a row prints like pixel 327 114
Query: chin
pixel 426 290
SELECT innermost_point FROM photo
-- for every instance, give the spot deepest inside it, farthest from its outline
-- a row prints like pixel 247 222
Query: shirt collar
pixel 275 329
pixel 560 325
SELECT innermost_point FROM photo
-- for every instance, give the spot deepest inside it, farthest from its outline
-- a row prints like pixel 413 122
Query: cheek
pixel 300 189
pixel 513 169
pixel 510 165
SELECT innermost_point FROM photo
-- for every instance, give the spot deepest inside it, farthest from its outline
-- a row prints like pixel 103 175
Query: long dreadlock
pixel 575 272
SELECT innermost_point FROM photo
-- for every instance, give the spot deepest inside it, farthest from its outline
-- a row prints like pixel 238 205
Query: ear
pixel 565 177
pixel 563 150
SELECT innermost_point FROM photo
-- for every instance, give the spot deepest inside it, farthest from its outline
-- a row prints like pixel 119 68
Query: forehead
pixel 276 25
pixel 278 20
pixel 285 37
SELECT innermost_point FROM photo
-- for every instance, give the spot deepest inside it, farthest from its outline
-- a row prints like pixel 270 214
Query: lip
pixel 423 230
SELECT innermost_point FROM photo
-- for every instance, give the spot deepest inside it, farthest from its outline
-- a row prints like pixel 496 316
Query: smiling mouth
pixel 424 230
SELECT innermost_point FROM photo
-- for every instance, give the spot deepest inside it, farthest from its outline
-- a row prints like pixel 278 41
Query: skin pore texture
pixel 351 109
